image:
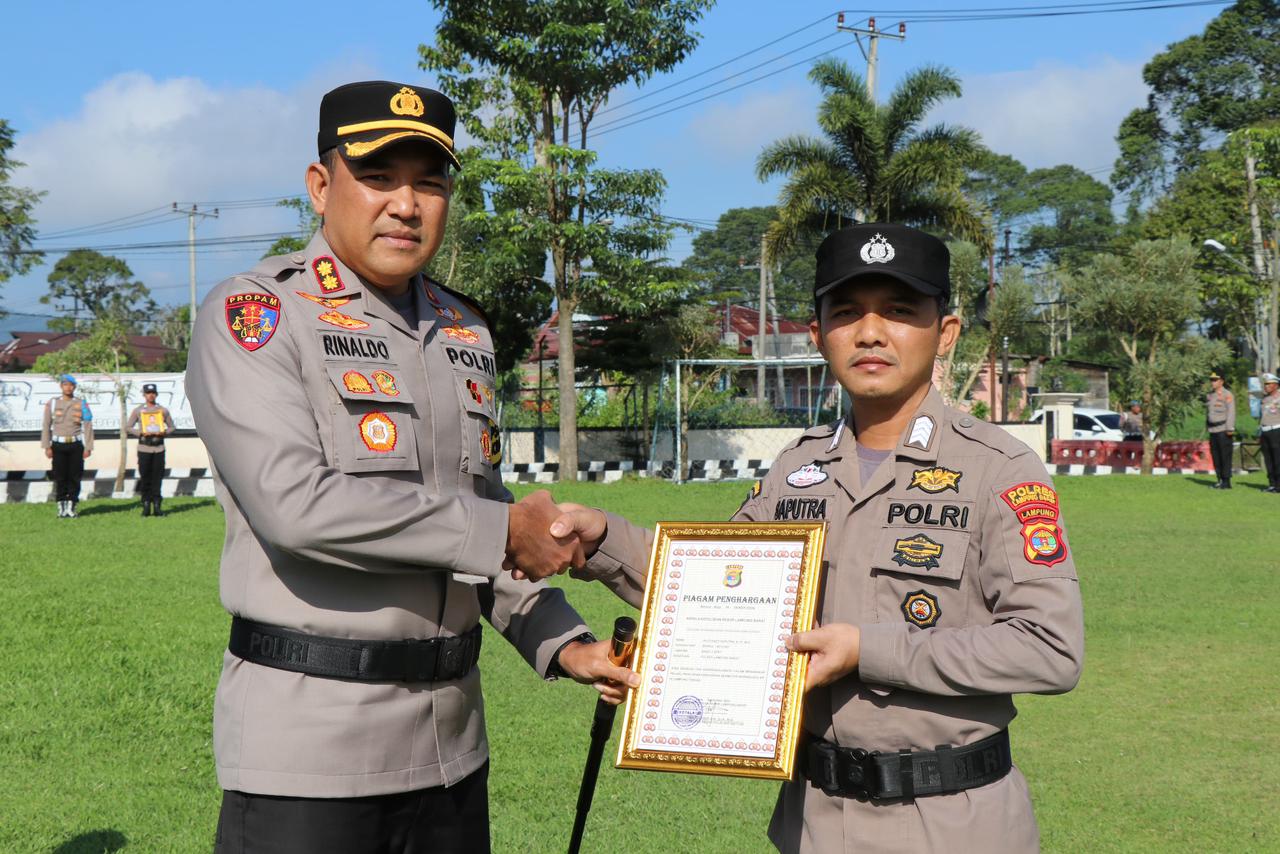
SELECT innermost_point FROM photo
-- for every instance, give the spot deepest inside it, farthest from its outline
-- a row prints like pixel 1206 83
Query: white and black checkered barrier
pixel 34 487
pixel 1081 469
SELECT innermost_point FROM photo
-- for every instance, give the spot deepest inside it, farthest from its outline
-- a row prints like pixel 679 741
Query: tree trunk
pixel 565 305
pixel 121 390
pixel 1148 438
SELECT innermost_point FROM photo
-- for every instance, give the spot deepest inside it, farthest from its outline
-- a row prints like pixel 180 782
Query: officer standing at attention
pixel 1220 417
pixel 1131 421
pixel 949 581
pixel 1269 430
pixel 348 407
pixel 66 434
pixel 150 423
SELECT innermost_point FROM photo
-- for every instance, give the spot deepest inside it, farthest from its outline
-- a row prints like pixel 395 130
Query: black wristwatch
pixel 554 670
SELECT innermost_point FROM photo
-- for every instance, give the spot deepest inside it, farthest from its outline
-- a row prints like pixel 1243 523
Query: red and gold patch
pixel 1036 506
pixel 461 333
pixel 479 392
pixel 357 383
pixel 921 609
pixel 1044 543
pixel 386 383
pixel 378 432
pixel 252 319
pixel 327 302
pixel 1031 500
pixel 326 270
pixel 491 443
pixel 342 321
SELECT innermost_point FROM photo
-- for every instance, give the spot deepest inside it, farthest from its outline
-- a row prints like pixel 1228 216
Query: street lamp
pixel 1265 334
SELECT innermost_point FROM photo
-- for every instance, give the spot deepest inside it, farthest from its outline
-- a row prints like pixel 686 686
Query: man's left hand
pixel 589 664
pixel 834 651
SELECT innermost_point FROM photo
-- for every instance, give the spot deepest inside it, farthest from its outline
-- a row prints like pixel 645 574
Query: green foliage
pixel 308 223
pixel 105 350
pixel 104 286
pixel 874 162
pixel 720 264
pixel 1146 301
pixel 1074 216
pixel 172 325
pixel 1224 79
pixel 17 225
pixel 1056 375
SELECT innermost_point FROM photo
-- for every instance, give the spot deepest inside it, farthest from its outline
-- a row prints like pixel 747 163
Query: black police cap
pixel 908 255
pixel 150 387
pixel 361 118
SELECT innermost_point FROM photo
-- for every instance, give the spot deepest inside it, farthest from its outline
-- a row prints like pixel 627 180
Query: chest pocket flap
pixel 931 553
pixel 368 382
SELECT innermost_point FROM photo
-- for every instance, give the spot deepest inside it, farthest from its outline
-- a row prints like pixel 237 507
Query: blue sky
pixel 125 108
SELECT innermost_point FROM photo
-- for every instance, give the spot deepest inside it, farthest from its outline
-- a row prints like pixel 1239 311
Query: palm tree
pixel 874 163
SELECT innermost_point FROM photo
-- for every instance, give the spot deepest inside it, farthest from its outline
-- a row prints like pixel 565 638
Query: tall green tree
pixel 721 264
pixel 17 224
pixel 308 222
pixel 1146 300
pixel 103 286
pixel 528 79
pixel 1070 217
pixel 874 162
pixel 1202 87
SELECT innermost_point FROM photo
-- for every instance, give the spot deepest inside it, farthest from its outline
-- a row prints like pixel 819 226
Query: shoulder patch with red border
pixel 1036 506
pixel 252 319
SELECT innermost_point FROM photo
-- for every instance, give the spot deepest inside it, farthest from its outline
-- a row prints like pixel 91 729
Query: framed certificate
pixel 719 692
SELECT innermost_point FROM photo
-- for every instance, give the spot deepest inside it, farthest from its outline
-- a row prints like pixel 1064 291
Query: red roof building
pixel 20 354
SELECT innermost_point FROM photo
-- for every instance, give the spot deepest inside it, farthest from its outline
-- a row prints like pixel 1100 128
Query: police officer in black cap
pixel 149 424
pixel 949 583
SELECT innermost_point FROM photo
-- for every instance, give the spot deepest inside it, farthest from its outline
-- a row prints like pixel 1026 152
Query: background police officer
pixel 347 406
pixel 1220 418
pixel 1269 430
pixel 150 423
pixel 914 664
pixel 1131 421
pixel 66 434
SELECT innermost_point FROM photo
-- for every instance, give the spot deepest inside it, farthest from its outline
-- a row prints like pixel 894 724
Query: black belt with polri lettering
pixel 856 773
pixel 429 660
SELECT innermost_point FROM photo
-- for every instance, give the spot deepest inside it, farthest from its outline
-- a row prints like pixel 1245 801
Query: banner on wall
pixel 23 398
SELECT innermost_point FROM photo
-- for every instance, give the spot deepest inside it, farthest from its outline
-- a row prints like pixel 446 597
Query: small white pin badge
pixel 806 475
pixel 877 250
pixel 921 433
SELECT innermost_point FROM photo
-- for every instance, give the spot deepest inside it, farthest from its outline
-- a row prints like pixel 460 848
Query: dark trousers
pixel 1270 441
pixel 1220 448
pixel 68 468
pixel 426 821
pixel 150 473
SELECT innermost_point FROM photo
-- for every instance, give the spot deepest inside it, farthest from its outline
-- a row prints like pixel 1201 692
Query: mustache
pixel 879 354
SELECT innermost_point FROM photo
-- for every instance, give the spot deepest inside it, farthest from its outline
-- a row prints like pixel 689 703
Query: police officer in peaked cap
pixel 1269 430
pixel 949 583
pixel 348 406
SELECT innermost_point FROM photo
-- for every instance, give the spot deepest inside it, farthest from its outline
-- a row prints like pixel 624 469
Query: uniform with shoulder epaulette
pixel 1220 421
pixel 952 559
pixel 1269 431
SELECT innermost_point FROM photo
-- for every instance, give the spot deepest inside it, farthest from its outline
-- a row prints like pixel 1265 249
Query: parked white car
pixel 1102 425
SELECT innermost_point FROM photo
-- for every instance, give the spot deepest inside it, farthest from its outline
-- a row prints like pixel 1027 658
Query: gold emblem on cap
pixel 407 103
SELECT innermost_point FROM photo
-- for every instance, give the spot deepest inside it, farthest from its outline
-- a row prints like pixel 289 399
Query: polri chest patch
pixel 918 551
pixel 921 609
pixel 252 319
pixel 806 476
pixel 935 480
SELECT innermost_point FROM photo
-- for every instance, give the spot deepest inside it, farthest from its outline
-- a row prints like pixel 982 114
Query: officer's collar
pixel 327 276
pixel 919 440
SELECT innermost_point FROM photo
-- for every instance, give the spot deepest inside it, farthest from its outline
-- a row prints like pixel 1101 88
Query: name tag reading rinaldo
pixel 719 692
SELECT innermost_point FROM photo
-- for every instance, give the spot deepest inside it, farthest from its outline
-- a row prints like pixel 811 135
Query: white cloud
pixel 1051 113
pixel 744 128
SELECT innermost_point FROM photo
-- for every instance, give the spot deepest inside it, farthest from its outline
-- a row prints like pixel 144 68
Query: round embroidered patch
pixel 378 432
pixel 921 608
pixel 386 383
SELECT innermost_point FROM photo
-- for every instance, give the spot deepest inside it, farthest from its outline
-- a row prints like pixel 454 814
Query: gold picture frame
pixel 722 628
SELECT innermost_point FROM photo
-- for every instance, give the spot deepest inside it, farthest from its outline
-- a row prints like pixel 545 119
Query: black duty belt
pixel 431 660
pixel 856 773
pixel 151 441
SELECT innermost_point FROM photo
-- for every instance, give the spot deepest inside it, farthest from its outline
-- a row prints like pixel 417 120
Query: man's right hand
pixel 48 453
pixel 533 551
pixel 588 524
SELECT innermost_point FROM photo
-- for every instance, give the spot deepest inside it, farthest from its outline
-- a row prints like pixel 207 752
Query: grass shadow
pixel 94 842
pixel 1203 481
pixel 97 508
pixel 188 505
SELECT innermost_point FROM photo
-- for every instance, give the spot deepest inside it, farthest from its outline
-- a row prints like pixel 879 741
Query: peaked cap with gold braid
pixel 361 118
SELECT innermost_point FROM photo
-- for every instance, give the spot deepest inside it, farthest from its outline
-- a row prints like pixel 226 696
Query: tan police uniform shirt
pixel 954 563
pixel 1220 411
pixel 134 426
pixel 1270 416
pixel 65 419
pixel 357 462
pixel 1131 423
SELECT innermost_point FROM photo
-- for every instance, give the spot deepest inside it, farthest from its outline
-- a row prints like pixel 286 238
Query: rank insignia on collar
pixel 378 432
pixel 448 312
pixel 343 321
pixel 336 302
pixel 491 442
pixel 252 319
pixel 461 333
pixel 806 475
pixel 919 551
pixel 733 575
pixel 386 383
pixel 921 609
pixel 921 433
pixel 356 383
pixel 326 270
pixel 756 487
pixel 935 480
pixel 1044 543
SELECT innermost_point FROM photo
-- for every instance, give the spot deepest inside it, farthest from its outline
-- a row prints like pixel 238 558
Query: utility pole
pixel 757 348
pixel 1268 339
pixel 871 52
pixel 777 341
pixel 1008 256
pixel 192 213
pixel 1004 380
pixel 991 363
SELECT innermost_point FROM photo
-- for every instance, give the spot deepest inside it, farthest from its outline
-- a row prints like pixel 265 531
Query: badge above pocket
pixel 932 553
pixel 368 382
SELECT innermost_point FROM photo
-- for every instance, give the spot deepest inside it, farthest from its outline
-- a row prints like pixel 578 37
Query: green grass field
pixel 114 635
